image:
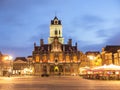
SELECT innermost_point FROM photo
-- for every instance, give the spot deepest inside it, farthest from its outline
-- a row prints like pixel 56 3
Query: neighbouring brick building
pixel 19 66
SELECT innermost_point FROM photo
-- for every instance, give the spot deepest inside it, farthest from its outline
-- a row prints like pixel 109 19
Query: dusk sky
pixel 93 24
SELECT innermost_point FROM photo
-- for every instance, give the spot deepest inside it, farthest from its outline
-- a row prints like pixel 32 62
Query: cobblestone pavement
pixel 56 83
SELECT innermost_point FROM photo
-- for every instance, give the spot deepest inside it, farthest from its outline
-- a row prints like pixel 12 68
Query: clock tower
pixel 55 31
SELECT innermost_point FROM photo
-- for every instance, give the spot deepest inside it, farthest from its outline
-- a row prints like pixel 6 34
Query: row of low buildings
pixel 109 54
pixel 56 57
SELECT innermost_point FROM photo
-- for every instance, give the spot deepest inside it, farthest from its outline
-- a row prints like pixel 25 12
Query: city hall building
pixel 56 57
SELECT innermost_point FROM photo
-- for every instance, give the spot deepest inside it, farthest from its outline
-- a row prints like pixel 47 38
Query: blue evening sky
pixel 93 24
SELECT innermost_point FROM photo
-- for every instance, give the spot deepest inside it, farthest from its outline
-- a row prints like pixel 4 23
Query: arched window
pixel 55 32
pixel 59 32
pixel 55 22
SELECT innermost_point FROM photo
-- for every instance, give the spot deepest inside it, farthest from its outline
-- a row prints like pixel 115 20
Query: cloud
pixel 86 29
pixel 87 21
pixel 93 47
pixel 91 19
pixel 17 51
pixel 110 35
pixel 17 9
pixel 87 46
pixel 99 34
pixel 23 22
pixel 114 40
pixel 14 7
pixel 42 33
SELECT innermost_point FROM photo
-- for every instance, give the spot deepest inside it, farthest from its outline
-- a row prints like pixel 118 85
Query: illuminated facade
pixel 19 64
pixel 56 57
pixel 94 58
pixel 5 65
pixel 111 55
pixel 23 66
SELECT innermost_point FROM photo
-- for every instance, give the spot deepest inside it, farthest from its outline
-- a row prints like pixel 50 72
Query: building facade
pixel 111 55
pixel 20 66
pixel 56 57
pixel 94 59
pixel 5 65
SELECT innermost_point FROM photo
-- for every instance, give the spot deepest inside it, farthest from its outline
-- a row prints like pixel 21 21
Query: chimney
pixel 41 42
pixel 70 42
pixel 76 44
pixel 34 44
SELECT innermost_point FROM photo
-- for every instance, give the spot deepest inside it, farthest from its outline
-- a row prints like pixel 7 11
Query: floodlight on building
pixel 91 57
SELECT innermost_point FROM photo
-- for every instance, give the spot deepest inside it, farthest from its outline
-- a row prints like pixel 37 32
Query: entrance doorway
pixel 56 69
